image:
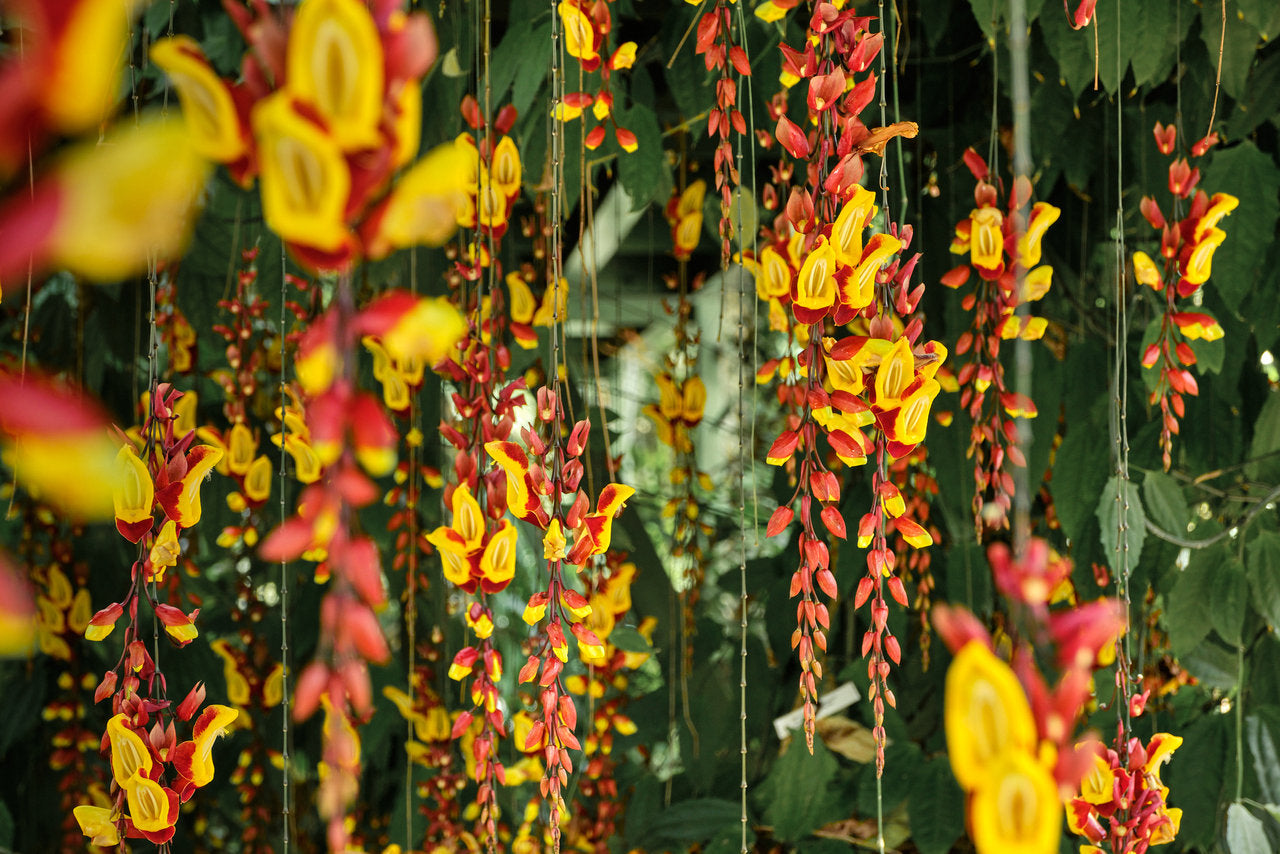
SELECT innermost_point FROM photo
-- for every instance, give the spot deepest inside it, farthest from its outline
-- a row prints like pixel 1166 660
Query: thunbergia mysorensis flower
pixel 998 244
pixel 1187 246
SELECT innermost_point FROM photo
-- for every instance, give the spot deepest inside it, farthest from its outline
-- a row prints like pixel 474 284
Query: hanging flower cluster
pixel 1122 801
pixel 587 27
pixel 103 208
pixel 596 814
pixel 820 264
pixel 553 468
pixel 1000 246
pixel 1010 736
pixel 493 179
pixel 152 771
pixel 327 110
pixel 715 44
pixel 353 438
pixel 1187 244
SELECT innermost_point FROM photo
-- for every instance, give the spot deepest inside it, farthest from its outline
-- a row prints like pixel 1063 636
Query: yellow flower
pixel 498 563
pixel 97 823
pixel 242 446
pixel 505 169
pixel 427 332
pixel 84 72
pixel 334 63
pixel 1037 283
pixel 207 106
pixel 1043 215
pixel 986 241
pixel 579 34
pixel 1199 264
pixel 1159 751
pixel 130 756
pixel 816 285
pixel 214 722
pixel 148 804
pixel 773 276
pixel 1219 206
pixel 896 371
pixel 1098 785
pixel 76 472
pixel 135 492
pixel 126 199
pixel 860 290
pixel 846 234
pixel 305 180
pixel 237 685
pixel 986 714
pixel 1015 809
pixel 165 551
pixel 554 542
pixel 257 483
pixel 205 458
pixel 1165 832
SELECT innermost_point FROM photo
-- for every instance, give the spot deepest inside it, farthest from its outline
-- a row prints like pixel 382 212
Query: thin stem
pixel 285 805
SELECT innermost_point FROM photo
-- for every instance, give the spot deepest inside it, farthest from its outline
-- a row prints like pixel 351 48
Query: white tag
pixel 838 700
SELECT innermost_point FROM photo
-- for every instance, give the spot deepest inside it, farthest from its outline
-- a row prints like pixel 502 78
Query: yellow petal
pixel 207 106
pixel 334 63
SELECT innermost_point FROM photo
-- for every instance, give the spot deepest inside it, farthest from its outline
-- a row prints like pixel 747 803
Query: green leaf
pixel 988 16
pixel 1075 486
pixel 1108 512
pixel 1263 569
pixel 1266 440
pixel 1237 49
pixel 1261 99
pixel 642 172
pixel 1156 34
pixel 798 791
pixel 1209 354
pixel 1071 49
pixel 937 807
pixel 1230 600
pixel 628 639
pixel 1195 774
pixel 693 821
pixel 1245 833
pixel 1162 497
pixel 1262 15
pixel 1186 618
pixel 1259 729
pixel 1251 176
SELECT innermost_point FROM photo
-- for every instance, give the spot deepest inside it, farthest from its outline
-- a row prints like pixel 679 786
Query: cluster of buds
pixel 354 439
pixel 176 332
pixel 1122 801
pixel 1003 250
pixel 1010 736
pixel 1187 244
pixel 587 26
pixel 539 483
pixel 719 53
pixel 493 178
pixel 114 200
pixel 595 818
pixel 914 472
pixel 328 107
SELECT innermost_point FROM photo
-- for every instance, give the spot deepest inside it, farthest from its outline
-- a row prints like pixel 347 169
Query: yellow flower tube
pixel 985 713
pixel 1015 809
pixel 334 63
pixel 207 106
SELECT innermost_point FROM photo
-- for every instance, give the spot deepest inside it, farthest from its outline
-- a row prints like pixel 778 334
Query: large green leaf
pixel 1252 177
pixel 937 807
pixel 798 793
pixel 1076 486
pixel 1263 568
pixel 1187 619
pixel 692 821
pixel 1262 15
pixel 643 172
pixel 1195 776
pixel 1163 500
pixel 1109 512
pixel 1230 600
pixel 1262 729
pixel 1245 833
pixel 1156 40
pixel 1071 49
pixel 1263 451
pixel 1237 48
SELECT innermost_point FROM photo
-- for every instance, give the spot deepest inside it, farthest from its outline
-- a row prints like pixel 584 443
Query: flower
pixel 816 284
pixel 134 495
pixel 305 180
pixel 1015 808
pixel 97 823
pixel 153 809
pixel 130 755
pixel 200 461
pixel 212 120
pixel 986 238
pixel 335 64
pixel 986 714
pixel 194 759
pixel 1043 215
pixel 580 38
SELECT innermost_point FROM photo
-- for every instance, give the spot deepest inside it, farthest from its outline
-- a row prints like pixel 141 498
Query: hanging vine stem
pixel 285 805
pixel 1121 415
pixel 1022 167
